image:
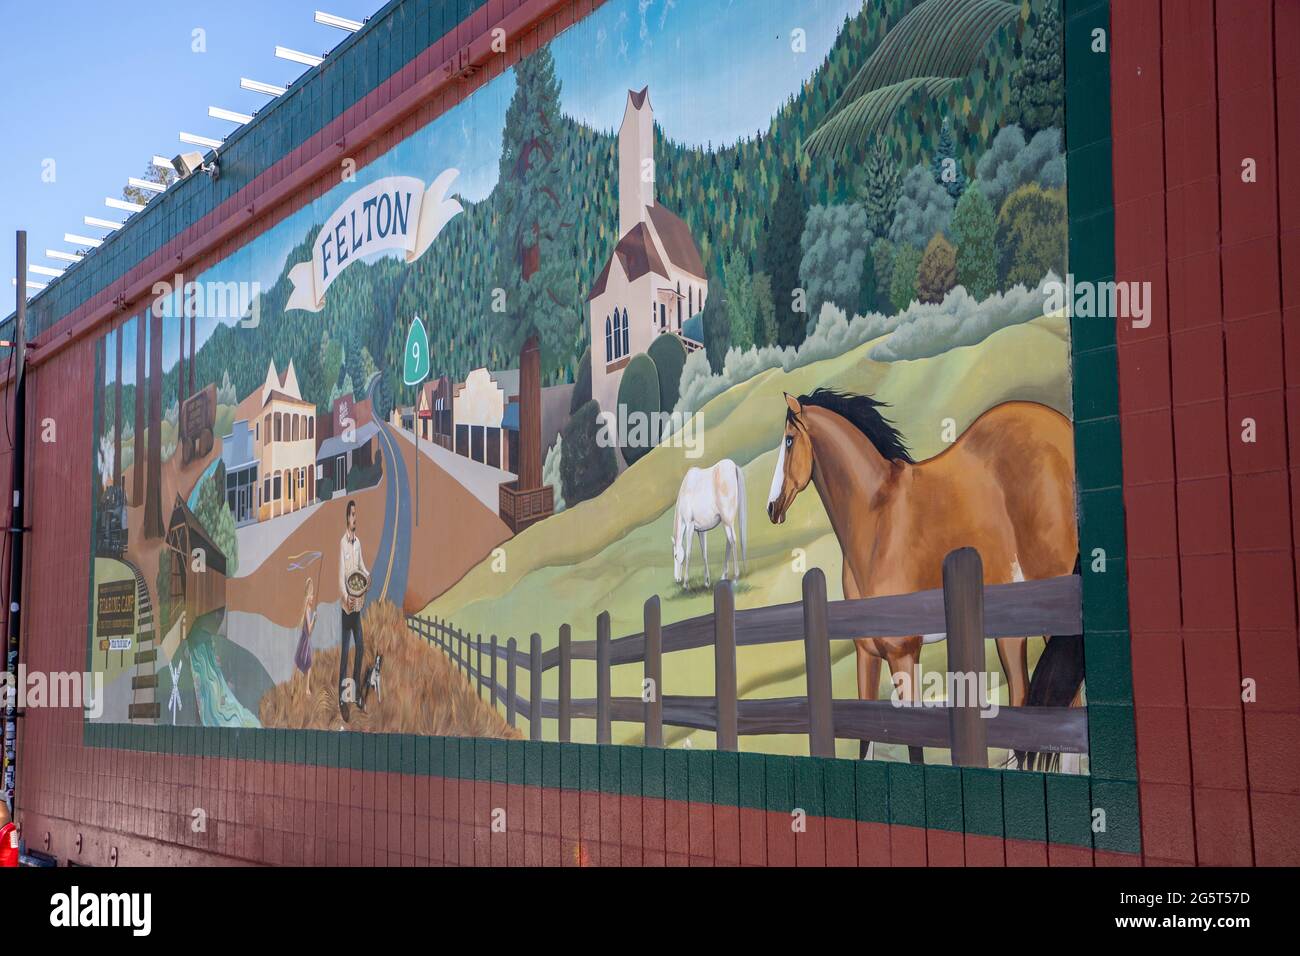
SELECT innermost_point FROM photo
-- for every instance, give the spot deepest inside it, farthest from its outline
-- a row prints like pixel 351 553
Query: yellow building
pixel 284 443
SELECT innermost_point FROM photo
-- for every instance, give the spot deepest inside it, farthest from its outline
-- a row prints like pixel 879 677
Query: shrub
pixel 325 489
pixel 587 467
pixel 836 244
pixel 923 208
pixel 1031 235
pixel 166 610
pixel 959 321
pixel 213 511
pixel 882 255
pixel 365 476
pixel 974 230
pixel 1010 163
pixel 638 392
pixel 937 273
pixel 582 384
pixel 902 285
pixel 551 472
pixel 669 357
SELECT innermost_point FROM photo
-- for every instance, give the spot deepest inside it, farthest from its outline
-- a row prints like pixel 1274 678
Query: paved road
pixel 388 571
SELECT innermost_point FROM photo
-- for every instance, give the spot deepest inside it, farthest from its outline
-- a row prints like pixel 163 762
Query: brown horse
pixel 1005 487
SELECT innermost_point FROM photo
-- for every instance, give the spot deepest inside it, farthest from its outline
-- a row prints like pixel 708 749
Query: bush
pixel 836 244
pixel 365 476
pixel 923 209
pixel 1031 235
pixel 937 273
pixel 638 392
pixel 959 321
pixel 166 611
pixel 882 255
pixel 551 472
pixel 669 357
pixel 213 512
pixel 974 230
pixel 1010 163
pixel 582 384
pixel 586 468
pixel 325 489
pixel 902 284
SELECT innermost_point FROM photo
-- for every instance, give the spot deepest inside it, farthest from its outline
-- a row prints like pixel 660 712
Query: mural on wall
pixel 690 302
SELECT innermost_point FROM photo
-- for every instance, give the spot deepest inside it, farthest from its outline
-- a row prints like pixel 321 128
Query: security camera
pixel 187 164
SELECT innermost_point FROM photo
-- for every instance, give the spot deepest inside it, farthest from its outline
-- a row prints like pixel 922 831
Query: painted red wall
pixel 1198 87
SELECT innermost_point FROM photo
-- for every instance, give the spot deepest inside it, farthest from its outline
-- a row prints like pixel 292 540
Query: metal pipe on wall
pixel 15 529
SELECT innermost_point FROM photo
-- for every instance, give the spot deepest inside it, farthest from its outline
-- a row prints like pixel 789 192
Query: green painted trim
pixel 1014 804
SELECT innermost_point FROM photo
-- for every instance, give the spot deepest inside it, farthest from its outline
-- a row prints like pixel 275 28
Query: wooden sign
pixel 115 616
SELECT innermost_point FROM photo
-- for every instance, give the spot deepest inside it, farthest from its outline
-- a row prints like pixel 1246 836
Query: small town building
pixel 284 440
pixel 479 417
pixel 435 414
pixel 239 455
pixel 351 445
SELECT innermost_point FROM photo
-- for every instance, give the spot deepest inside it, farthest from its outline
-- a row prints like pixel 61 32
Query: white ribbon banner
pixel 392 213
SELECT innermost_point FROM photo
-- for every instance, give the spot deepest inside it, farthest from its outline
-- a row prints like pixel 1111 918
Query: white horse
pixel 709 497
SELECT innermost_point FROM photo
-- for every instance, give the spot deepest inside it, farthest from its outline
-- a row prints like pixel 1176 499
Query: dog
pixel 375 682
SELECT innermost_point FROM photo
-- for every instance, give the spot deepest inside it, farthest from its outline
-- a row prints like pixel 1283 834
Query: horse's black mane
pixel 863 412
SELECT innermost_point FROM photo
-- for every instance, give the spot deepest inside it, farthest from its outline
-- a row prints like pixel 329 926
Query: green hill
pixel 613 552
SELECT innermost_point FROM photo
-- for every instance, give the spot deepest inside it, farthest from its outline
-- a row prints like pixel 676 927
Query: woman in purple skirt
pixel 302 657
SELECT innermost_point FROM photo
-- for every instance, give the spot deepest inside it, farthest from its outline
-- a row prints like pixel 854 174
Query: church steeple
pixel 636 173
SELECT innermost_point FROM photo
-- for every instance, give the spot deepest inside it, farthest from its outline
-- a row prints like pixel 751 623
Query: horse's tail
pixel 744 521
pixel 1055 683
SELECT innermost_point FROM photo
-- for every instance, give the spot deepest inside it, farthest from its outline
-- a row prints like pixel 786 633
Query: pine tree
pixel 741 305
pixel 946 167
pixel 883 185
pixel 782 256
pixel 1037 90
pixel 533 262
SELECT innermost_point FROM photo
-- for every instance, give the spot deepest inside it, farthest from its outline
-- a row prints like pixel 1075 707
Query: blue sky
pixel 717 69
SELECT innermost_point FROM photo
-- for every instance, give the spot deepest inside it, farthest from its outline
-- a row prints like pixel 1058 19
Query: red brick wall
pixel 1197 87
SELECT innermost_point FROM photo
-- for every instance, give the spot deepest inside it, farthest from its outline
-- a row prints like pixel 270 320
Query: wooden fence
pixel 965 609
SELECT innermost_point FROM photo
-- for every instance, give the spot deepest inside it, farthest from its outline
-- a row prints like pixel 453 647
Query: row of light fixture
pixel 185 164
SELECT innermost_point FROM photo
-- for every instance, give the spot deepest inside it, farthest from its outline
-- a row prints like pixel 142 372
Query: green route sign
pixel 415 366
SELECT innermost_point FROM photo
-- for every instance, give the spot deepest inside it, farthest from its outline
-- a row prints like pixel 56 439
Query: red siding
pixel 1196 92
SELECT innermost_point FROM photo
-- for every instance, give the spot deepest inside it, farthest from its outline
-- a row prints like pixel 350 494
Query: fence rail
pixel 966 610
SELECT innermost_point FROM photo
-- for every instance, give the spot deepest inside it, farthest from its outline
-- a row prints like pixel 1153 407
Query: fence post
pixel 566 684
pixel 493 689
pixel 654 675
pixel 724 665
pixel 510 681
pixel 479 667
pixel 460 650
pixel 535 688
pixel 817 665
pixel 963 614
pixel 602 679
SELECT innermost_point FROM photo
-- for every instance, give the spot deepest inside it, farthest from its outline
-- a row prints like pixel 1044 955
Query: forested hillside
pixel 726 194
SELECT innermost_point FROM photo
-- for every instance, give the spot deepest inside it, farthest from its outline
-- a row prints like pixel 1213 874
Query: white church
pixel 654 280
